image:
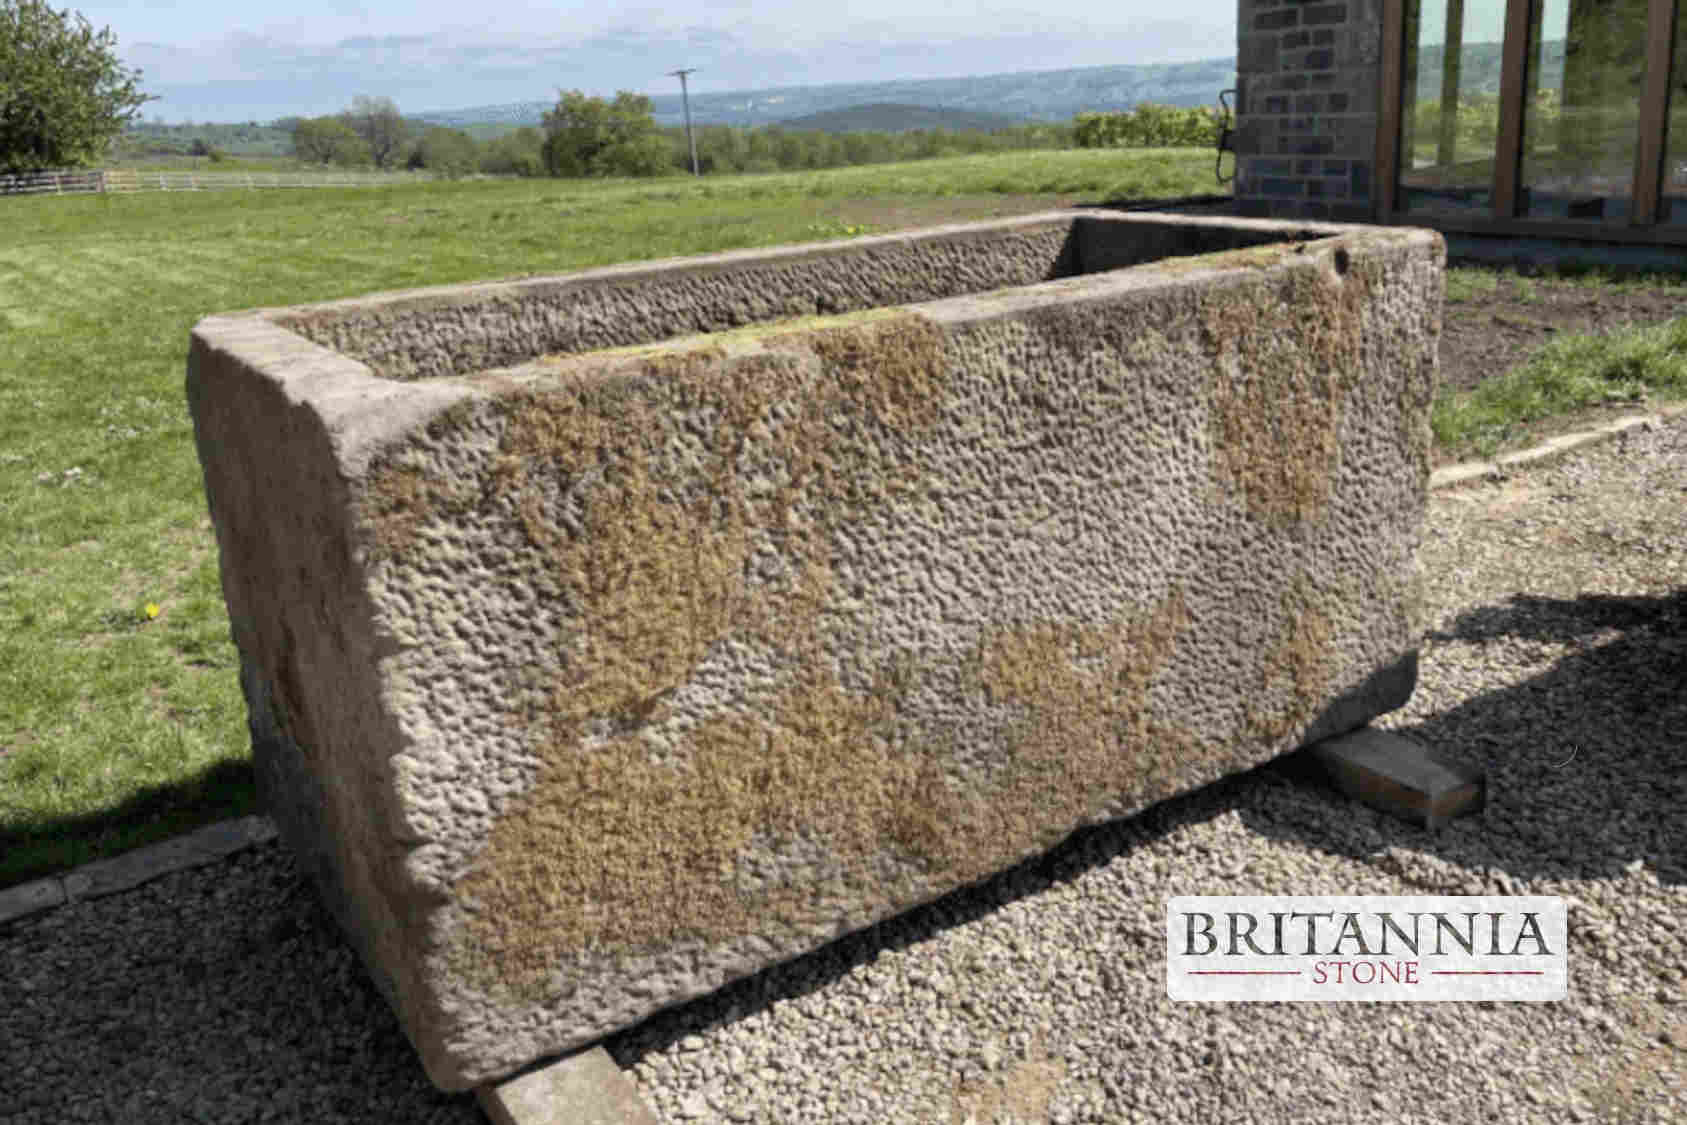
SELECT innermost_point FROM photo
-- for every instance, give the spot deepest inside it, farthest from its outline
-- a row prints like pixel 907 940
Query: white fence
pixel 116 180
pixel 30 183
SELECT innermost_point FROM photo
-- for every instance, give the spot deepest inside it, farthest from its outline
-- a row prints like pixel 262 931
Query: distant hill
pixel 889 117
pixel 1048 95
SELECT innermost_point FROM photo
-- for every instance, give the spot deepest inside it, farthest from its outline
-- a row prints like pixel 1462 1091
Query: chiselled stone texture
pixel 612 636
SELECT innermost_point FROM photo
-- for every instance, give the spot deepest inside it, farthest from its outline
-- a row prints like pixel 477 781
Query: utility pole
pixel 685 97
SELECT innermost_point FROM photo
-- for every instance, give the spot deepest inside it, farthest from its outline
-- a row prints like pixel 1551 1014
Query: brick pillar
pixel 1306 116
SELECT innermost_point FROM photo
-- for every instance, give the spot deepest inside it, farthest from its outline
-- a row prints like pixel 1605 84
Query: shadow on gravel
pixel 219 994
pixel 1556 619
pixel 1587 762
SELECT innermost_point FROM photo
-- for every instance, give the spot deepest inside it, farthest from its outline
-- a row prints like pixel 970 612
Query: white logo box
pixel 1319 947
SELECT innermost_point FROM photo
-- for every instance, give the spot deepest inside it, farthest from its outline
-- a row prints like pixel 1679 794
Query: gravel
pixel 1556 658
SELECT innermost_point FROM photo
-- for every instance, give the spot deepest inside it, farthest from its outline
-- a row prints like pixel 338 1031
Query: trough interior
pixel 471 329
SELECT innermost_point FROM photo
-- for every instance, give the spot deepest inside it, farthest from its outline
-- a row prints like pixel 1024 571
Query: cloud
pixel 246 76
pixel 368 41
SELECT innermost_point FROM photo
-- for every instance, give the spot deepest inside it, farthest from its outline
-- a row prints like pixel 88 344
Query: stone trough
pixel 611 636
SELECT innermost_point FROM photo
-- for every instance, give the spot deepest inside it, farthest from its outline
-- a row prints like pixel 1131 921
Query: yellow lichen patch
pixel 1295 673
pixel 1083 733
pixel 1288 351
pixel 1085 729
pixel 892 369
pixel 650 565
pixel 644 484
pixel 1245 257
pixel 831 794
pixel 613 850
pixel 394 507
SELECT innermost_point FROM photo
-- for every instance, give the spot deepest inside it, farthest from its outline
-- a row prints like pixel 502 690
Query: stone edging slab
pixel 131 869
pixel 217 841
pixel 1453 475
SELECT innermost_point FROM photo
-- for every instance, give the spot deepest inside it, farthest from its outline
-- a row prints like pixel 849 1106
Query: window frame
pixel 1502 217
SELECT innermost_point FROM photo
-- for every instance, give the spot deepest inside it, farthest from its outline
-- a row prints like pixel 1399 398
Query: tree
pixel 328 140
pixel 591 137
pixel 720 148
pixel 445 152
pixel 64 96
pixel 521 153
pixel 758 150
pixel 382 128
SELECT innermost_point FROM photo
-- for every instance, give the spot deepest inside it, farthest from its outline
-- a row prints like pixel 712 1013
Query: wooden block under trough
pixel 1401 777
pixel 586 1088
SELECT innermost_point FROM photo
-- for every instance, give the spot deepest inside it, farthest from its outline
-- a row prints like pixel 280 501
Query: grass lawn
pixel 1570 379
pixel 121 721
pixel 1630 367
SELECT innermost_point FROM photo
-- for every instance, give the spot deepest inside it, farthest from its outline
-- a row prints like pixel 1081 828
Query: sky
pixel 218 62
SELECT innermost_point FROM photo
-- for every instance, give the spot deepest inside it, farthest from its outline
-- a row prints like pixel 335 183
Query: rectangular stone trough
pixel 613 635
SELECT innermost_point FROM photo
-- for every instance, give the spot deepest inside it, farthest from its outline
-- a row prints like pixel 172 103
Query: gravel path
pixel 1557 658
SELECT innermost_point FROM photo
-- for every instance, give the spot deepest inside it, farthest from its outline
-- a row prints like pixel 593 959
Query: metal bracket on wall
pixel 1226 138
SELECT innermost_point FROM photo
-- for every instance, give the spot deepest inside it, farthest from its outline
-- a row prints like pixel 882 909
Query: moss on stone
pixel 1295 672
pixel 617 848
pixel 650 551
pixel 1288 349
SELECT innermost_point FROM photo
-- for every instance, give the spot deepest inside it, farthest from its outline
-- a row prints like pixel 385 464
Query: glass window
pixel 1449 122
pixel 1672 207
pixel 1585 78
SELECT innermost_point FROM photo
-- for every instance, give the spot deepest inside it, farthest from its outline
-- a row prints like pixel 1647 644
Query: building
pixel 1535 118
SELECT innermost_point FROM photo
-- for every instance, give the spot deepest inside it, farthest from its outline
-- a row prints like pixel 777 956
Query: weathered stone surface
pixel 587 682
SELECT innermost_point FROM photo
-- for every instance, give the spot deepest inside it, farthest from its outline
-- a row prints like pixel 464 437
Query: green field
pixel 118 727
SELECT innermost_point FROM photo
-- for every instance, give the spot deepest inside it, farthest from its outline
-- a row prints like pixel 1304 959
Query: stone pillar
pixel 1308 76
